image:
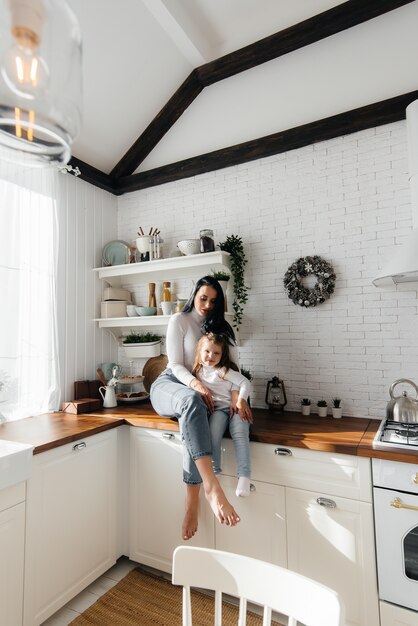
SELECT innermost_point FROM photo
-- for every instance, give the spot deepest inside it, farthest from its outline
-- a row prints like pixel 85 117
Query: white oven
pixel 395 491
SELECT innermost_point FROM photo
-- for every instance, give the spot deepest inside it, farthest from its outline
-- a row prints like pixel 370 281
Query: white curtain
pixel 29 377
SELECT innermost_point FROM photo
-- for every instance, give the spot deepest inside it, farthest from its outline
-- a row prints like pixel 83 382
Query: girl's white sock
pixel 243 487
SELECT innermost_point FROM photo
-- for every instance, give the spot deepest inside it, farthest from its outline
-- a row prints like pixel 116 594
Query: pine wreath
pixel 323 288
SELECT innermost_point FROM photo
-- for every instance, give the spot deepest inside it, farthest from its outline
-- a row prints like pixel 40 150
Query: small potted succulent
pixel 306 406
pixel 222 278
pixel 337 409
pixel 322 408
pixel 141 345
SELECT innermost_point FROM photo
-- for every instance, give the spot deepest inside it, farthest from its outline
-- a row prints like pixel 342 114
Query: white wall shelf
pixel 151 271
pixel 162 269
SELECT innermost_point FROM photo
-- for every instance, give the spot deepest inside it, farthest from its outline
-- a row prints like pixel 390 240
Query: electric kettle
pixel 109 396
pixel 403 408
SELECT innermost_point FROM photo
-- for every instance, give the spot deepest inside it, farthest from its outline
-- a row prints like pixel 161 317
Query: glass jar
pixel 207 243
pixel 166 292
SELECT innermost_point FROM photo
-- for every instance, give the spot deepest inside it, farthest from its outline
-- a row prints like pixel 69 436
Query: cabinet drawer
pixel 340 474
pixel 12 495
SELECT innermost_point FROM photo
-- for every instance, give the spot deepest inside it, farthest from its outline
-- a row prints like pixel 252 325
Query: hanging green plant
pixel 233 244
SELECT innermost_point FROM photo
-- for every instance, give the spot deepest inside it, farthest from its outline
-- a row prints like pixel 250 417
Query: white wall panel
pixel 87 221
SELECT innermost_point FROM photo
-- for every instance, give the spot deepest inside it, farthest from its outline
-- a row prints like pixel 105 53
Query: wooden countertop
pixel 348 435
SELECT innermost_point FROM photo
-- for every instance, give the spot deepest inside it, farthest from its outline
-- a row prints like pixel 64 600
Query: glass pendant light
pixel 40 81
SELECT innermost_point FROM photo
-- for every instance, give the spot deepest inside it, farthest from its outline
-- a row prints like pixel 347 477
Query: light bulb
pixel 25 72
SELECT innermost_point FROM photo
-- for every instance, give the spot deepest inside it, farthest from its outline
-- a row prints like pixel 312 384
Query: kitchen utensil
pixel 152 369
pixel 109 396
pixel 146 310
pixel 152 302
pixel 101 376
pixel 402 408
pixel 131 310
pixel 116 253
pixel 189 246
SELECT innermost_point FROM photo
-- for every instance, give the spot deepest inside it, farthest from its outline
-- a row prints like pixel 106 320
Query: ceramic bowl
pixel 189 246
pixel 131 310
pixel 146 310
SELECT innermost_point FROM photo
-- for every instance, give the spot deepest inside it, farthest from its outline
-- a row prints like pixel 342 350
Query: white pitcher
pixel 109 397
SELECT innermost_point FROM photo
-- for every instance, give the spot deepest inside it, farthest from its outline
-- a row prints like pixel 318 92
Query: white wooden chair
pixel 274 588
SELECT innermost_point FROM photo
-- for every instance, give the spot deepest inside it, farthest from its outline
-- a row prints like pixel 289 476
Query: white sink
pixel 15 462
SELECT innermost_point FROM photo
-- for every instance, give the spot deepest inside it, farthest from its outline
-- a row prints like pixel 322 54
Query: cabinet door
pixel 12 540
pixel 71 529
pixel 261 533
pixel 392 615
pixel 334 544
pixel 157 500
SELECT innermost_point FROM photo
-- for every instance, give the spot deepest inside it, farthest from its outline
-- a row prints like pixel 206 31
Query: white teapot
pixel 109 396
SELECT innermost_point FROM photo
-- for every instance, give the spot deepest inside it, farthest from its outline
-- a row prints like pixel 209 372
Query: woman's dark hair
pixel 215 321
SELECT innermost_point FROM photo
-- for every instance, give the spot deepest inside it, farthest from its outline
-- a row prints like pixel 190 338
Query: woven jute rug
pixel 142 599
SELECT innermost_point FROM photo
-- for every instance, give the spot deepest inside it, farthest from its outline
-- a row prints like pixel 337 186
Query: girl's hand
pixel 244 411
pixel 234 400
pixel 204 392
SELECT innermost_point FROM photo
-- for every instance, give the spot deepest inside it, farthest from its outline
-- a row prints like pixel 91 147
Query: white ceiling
pixel 138 52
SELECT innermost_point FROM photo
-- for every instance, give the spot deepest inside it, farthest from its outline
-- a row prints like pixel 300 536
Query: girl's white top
pixel 221 384
pixel 183 332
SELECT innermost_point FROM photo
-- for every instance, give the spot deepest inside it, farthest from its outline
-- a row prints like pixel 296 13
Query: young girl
pixel 230 390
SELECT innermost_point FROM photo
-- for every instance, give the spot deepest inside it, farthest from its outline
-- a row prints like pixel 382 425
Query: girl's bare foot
pixel 189 526
pixel 223 510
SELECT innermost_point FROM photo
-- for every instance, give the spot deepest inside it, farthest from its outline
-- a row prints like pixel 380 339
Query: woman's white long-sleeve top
pixel 183 332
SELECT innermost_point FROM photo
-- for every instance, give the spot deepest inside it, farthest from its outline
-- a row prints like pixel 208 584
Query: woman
pixel 176 392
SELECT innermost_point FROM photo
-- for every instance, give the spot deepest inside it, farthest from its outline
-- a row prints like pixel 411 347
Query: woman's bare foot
pixel 223 510
pixel 190 520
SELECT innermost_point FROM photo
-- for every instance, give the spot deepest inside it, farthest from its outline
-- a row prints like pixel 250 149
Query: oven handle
pixel 398 504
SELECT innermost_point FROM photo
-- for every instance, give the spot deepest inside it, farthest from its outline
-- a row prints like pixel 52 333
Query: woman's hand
pixel 204 392
pixel 243 410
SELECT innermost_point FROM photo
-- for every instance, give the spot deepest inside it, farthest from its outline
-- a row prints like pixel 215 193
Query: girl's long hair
pixel 215 321
pixel 220 340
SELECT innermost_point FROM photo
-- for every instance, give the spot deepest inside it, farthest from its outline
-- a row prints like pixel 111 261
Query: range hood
pixel 403 265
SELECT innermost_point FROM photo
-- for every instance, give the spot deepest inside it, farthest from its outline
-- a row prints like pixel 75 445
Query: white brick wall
pixel 346 199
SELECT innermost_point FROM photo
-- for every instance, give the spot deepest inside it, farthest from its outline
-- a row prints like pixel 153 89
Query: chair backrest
pixel 274 588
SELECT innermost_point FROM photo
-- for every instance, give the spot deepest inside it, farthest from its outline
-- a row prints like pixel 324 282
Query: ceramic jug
pixel 109 397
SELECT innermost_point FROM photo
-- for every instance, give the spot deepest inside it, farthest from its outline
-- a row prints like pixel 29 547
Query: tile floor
pixel 86 598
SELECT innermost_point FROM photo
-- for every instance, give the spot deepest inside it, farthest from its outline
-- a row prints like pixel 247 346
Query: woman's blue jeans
pixel 170 398
pixel 239 431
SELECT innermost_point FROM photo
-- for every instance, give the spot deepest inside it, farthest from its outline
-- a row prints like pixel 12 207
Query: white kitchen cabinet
pixel 333 543
pixel 12 541
pixel 393 615
pixel 71 522
pixel 192 266
pixel 261 533
pixel 157 499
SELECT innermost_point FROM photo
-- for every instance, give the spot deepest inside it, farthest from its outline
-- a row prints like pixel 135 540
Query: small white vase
pixel 337 412
pixel 306 409
pixel 322 411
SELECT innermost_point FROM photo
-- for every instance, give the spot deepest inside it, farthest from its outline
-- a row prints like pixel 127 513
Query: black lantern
pixel 276 394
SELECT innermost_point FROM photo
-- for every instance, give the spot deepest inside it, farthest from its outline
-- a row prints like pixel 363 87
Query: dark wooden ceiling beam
pixel 335 20
pixel 92 175
pixel 165 119
pixel 384 112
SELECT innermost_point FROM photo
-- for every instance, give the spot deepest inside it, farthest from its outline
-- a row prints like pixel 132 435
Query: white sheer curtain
pixel 29 377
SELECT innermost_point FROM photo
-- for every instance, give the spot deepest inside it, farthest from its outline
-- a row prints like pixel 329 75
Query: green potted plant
pixel 233 244
pixel 337 409
pixel 246 373
pixel 141 345
pixel 222 278
pixel 322 408
pixel 306 406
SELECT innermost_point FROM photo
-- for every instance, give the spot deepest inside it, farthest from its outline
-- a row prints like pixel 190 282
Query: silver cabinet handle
pixel 252 487
pixel 283 452
pixel 79 446
pixel 326 502
pixel 169 436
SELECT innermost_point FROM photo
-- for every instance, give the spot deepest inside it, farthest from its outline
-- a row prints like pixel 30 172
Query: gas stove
pixel 396 435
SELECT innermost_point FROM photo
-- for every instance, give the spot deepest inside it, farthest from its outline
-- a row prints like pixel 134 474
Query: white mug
pixel 167 307
pixel 109 397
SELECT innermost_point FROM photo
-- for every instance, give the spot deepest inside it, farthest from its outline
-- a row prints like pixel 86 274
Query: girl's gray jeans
pixel 170 398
